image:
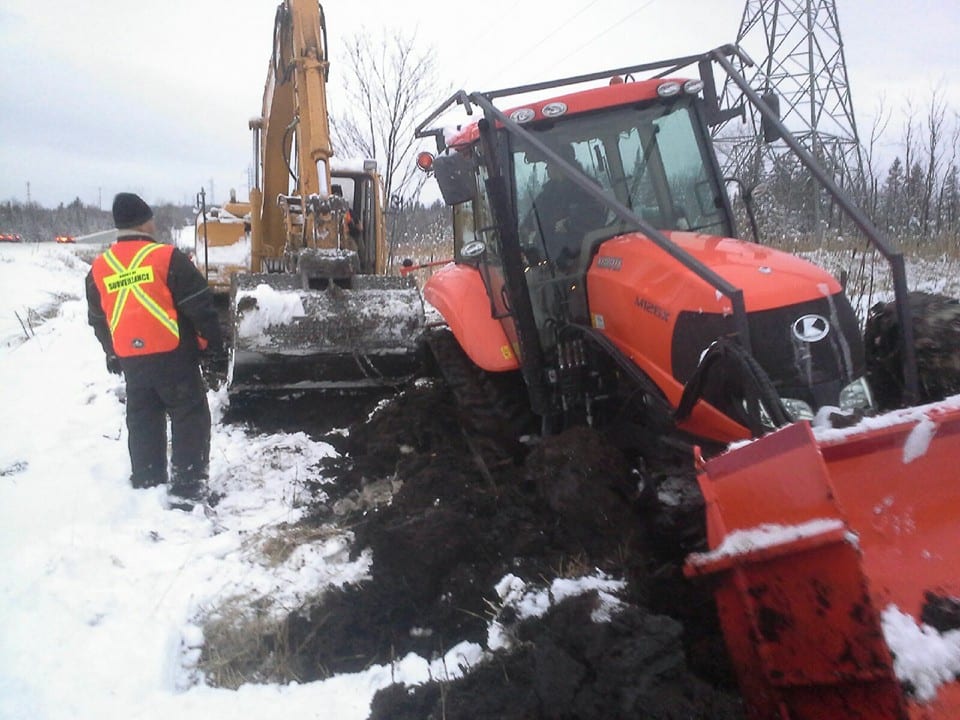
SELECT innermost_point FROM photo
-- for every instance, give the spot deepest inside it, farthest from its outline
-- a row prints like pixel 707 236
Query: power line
pixel 615 25
pixel 495 22
pixel 546 37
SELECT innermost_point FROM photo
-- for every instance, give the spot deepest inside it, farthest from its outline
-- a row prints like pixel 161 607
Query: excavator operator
pixel 351 226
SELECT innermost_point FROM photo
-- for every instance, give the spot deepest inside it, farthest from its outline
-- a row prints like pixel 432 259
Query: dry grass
pixel 246 637
pixel 574 566
pixel 278 548
pixel 245 644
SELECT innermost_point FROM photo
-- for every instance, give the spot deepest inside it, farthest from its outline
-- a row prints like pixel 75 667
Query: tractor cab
pixel 642 144
pixel 643 150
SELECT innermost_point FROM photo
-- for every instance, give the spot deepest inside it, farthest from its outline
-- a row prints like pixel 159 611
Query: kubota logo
pixel 811 328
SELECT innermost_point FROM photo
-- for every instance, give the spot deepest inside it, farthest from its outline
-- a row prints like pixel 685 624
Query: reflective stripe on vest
pixel 127 281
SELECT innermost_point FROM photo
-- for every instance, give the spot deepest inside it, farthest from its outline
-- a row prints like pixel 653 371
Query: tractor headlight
pixel 856 396
pixel 797 409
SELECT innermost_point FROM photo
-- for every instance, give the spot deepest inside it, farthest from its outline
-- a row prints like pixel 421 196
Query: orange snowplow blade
pixel 823 547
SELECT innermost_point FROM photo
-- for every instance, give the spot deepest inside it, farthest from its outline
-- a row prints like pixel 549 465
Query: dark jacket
pixel 196 314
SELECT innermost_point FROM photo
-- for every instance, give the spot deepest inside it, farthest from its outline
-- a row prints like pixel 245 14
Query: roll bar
pixel 713 115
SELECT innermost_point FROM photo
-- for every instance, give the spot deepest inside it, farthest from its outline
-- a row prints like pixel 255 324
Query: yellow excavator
pixel 302 265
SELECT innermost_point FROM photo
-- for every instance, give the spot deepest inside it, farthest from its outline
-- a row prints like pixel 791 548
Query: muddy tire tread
pixel 492 405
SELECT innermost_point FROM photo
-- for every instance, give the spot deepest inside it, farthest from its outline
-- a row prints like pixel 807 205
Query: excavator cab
pixel 359 229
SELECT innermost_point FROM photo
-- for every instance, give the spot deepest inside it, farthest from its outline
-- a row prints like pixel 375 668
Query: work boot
pixel 187 492
pixel 140 482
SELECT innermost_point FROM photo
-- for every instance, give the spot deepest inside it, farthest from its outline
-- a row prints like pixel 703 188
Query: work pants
pixel 178 392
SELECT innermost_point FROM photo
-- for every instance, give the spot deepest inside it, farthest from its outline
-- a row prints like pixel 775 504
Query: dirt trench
pixel 446 521
pixel 445 527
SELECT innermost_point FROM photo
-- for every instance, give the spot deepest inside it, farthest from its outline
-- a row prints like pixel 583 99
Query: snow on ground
pixel 102 584
pixel 103 589
pixel 527 601
pixel 53 271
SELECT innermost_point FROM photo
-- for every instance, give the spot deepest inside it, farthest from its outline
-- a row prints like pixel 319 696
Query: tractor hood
pixel 769 278
pixel 802 328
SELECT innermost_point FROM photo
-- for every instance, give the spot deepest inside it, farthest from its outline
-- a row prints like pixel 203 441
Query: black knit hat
pixel 130 211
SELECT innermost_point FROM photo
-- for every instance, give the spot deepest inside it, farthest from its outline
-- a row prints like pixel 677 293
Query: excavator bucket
pixel 351 332
pixel 836 561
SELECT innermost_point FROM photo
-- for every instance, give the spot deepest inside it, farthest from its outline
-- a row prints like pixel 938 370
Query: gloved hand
pixel 213 365
pixel 217 355
pixel 113 365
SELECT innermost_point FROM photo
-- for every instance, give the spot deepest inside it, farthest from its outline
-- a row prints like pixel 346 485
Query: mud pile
pixel 445 526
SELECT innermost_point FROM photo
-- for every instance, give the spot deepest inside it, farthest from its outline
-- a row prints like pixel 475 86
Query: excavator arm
pixel 293 208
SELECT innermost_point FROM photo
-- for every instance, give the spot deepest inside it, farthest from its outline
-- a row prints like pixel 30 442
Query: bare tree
pixel 877 129
pixel 935 122
pixel 948 206
pixel 390 86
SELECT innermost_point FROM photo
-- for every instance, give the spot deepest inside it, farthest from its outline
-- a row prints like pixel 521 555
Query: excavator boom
pixel 294 135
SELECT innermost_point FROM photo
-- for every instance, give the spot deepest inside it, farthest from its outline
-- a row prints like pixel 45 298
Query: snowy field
pixel 103 589
pixel 102 586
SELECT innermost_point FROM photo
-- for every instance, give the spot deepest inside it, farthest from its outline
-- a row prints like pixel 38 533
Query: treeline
pixel 913 199
pixel 35 223
pixel 419 232
pixel 422 233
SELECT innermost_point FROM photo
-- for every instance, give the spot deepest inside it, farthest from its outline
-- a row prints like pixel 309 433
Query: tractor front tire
pixel 493 407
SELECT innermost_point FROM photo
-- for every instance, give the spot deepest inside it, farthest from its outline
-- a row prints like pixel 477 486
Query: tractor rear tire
pixel 936 338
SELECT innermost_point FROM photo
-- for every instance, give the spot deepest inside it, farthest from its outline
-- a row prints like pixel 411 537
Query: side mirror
pixel 455 176
pixel 771 132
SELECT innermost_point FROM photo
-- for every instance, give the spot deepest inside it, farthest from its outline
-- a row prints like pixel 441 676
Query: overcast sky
pixel 101 96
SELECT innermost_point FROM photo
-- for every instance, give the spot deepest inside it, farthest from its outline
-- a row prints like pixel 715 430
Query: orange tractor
pixel 598 280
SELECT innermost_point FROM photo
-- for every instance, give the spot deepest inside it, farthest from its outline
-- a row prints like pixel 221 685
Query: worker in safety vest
pixel 153 313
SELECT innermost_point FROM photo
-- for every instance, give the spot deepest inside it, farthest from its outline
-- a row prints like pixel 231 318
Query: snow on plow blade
pixel 836 558
pixel 358 332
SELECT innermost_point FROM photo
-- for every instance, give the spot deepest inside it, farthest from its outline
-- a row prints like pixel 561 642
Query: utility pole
pixel 28 192
pixel 799 57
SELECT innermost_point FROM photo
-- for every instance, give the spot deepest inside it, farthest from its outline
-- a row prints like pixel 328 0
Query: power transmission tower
pixel 799 57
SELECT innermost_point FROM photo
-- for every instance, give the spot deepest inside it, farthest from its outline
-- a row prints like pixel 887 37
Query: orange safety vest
pixel 132 279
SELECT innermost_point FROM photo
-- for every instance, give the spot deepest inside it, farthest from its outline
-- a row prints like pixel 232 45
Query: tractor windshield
pixel 650 158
